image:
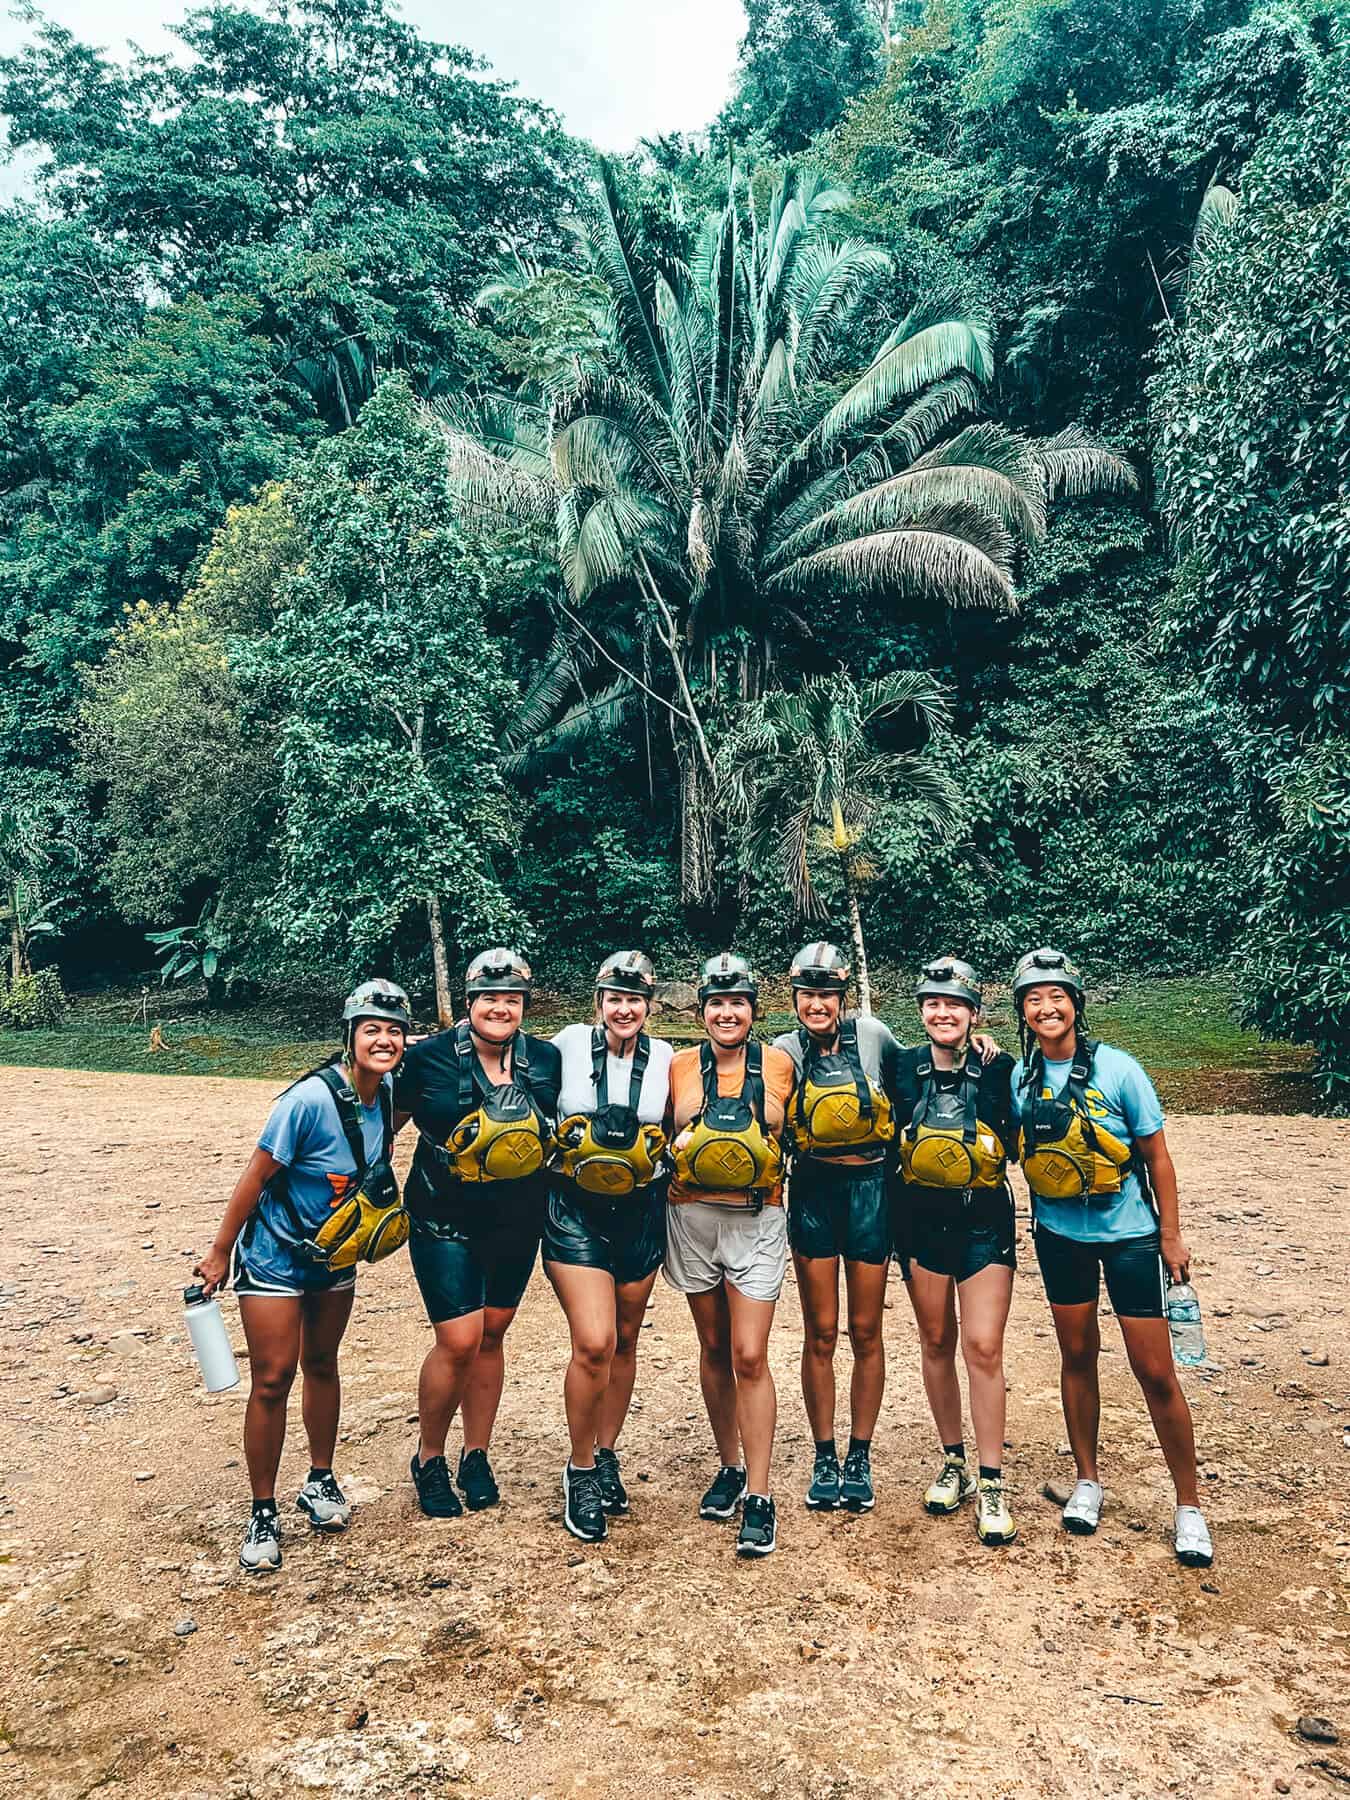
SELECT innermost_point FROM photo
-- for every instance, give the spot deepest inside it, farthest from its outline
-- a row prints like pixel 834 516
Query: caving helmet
pixel 948 977
pixel 627 972
pixel 727 973
pixel 498 971
pixel 822 967
pixel 1040 968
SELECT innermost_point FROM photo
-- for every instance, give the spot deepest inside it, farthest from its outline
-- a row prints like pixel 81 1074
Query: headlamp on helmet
pixel 821 967
pixel 949 978
pixel 626 972
pixel 378 1000
pixel 498 971
pixel 727 973
pixel 1046 968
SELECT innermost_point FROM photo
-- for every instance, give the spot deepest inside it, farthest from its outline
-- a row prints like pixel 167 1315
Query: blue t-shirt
pixel 304 1133
pixel 1121 1095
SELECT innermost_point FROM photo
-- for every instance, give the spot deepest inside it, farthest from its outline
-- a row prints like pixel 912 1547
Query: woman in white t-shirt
pixel 605 1236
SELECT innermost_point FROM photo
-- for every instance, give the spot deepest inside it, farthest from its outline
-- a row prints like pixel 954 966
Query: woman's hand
pixel 987 1046
pixel 1176 1256
pixel 213 1269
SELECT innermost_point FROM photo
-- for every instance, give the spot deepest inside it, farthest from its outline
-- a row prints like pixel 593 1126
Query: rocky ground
pixel 881 1656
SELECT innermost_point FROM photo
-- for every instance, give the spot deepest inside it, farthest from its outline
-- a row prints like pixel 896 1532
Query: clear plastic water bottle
pixel 1185 1324
pixel 210 1340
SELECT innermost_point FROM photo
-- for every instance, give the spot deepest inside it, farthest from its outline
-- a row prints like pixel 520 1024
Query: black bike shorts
pixel 1132 1267
pixel 839 1211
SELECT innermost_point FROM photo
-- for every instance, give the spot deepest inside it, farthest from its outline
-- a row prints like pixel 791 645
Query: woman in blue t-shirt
pixel 294 1310
pixel 1104 1204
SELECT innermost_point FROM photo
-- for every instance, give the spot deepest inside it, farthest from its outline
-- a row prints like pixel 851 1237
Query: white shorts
pixel 707 1243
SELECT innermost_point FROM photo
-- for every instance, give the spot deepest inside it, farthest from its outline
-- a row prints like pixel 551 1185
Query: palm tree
pixel 703 488
pixel 812 769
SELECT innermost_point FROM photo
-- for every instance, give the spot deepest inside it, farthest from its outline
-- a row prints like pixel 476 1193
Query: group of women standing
pixel 623 1157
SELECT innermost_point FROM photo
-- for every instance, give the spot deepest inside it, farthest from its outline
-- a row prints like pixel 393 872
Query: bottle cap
pixel 193 1296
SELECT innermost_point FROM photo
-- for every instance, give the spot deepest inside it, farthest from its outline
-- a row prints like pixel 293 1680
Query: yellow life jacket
pixel 365 1226
pixel 505 1137
pixel 726 1147
pixel 946 1144
pixel 1065 1153
pixel 610 1151
pixel 837 1111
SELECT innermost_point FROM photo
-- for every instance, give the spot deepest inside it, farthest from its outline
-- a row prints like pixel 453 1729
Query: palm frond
pixel 1212 221
pixel 920 561
pixel 902 366
pixel 602 713
pixel 618 256
pixel 828 282
pixel 1076 466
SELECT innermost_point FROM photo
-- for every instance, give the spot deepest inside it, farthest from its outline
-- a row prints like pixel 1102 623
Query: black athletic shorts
pixel 839 1210
pixel 1132 1267
pixel 954 1236
pixel 624 1237
pixel 459 1274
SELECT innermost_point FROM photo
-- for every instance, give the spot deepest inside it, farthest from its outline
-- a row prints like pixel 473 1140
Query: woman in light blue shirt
pixel 1104 1205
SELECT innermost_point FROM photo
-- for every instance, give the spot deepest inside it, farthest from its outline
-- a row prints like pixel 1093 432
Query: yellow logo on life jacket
pixel 502 1140
pixel 606 1153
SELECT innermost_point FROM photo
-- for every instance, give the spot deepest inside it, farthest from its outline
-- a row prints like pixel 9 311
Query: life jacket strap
pixel 642 1051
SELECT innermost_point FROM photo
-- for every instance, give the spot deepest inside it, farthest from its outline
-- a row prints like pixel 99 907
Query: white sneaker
pixel 993 1521
pixel 954 1484
pixel 1083 1513
pixel 328 1507
pixel 260 1552
pixel 1192 1540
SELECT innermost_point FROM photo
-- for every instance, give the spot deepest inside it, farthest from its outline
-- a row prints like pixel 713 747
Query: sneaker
pixel 856 1491
pixel 584 1505
pixel 1192 1538
pixel 474 1480
pixel 260 1551
pixel 823 1493
pixel 759 1528
pixel 328 1507
pixel 1083 1514
pixel 612 1491
pixel 724 1496
pixel 952 1486
pixel 993 1521
pixel 435 1496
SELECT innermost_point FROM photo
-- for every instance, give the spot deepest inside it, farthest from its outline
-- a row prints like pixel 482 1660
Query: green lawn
pixel 1182 1031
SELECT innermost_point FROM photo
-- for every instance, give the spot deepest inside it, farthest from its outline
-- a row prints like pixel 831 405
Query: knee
pixel 1079 1357
pixel 1158 1381
pixel 717 1352
pixel 938 1346
pixel 272 1382
pixel 491 1341
pixel 821 1341
pixel 626 1342
pixel 750 1363
pixel 594 1354
pixel 865 1339
pixel 320 1365
pixel 984 1355
pixel 457 1350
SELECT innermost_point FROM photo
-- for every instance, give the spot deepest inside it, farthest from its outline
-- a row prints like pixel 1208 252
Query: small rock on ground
pixel 1317 1730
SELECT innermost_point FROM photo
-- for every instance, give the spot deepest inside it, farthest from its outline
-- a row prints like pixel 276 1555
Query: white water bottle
pixel 210 1340
pixel 1185 1324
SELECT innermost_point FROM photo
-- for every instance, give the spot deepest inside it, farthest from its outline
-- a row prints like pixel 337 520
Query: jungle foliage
pixel 413 529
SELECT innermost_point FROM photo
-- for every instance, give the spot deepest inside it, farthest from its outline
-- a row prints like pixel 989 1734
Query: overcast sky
pixel 616 70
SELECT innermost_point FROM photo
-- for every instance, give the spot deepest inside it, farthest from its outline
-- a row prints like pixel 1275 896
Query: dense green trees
pixel 717 471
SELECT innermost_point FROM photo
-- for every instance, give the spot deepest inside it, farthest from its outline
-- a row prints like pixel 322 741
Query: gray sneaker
pixel 328 1507
pixel 260 1552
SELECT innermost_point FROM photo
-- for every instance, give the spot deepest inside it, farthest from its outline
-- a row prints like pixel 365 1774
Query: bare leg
pixel 587 1298
pixel 933 1298
pixel 323 1321
pixel 818 1286
pixel 272 1331
pixel 483 1389
pixel 985 1299
pixel 1148 1345
pixel 756 1396
pixel 712 1321
pixel 866 1284
pixel 630 1309
pixel 1080 1345
pixel 444 1377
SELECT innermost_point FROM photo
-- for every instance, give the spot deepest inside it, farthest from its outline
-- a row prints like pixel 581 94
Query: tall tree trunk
pixel 445 1010
pixel 854 915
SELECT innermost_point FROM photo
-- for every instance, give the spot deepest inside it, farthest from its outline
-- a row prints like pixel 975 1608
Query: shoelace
pixel 329 1489
pixel 583 1485
pixel 262 1529
pixel 826 1465
pixel 728 1482
pixel 758 1516
pixel 857 1465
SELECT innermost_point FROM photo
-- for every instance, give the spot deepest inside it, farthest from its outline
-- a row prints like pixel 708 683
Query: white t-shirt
pixel 578 1095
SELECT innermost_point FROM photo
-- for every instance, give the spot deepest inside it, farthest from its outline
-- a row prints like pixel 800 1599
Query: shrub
pixel 33 1002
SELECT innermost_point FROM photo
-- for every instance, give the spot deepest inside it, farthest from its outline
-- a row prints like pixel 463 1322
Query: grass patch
pixel 1183 1031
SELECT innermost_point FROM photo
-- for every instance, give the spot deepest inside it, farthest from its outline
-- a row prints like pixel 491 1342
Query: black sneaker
pixel 612 1491
pixel 855 1490
pixel 724 1496
pixel 823 1493
pixel 474 1480
pixel 759 1528
pixel 435 1496
pixel 583 1505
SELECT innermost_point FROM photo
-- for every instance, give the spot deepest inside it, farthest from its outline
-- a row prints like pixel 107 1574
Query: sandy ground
pixel 885 1655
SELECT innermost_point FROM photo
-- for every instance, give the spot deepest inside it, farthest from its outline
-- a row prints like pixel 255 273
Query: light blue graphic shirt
pixel 1122 1097
pixel 304 1133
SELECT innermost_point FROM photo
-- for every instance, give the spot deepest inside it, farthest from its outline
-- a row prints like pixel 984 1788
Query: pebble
pixel 356 1718
pixel 97 1396
pixel 1317 1730
pixel 1209 1587
pixel 1058 1491
pixel 144 1475
pixel 185 1628
pixel 1282 1786
pixel 150 1205
pixel 1137 1525
pixel 1321 1361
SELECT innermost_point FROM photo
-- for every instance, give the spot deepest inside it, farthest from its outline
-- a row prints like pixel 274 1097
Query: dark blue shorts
pixel 458 1274
pixel 956 1238
pixel 839 1211
pixel 626 1237
pixel 1132 1267
pixel 264 1263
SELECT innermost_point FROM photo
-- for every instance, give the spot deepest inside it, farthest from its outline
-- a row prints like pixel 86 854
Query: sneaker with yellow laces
pixel 993 1521
pixel 952 1486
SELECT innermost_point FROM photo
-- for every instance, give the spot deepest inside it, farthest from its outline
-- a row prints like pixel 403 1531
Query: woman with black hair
pixel 1104 1206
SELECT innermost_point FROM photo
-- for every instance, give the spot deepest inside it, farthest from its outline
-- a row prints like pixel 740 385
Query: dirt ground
pixel 888 1655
